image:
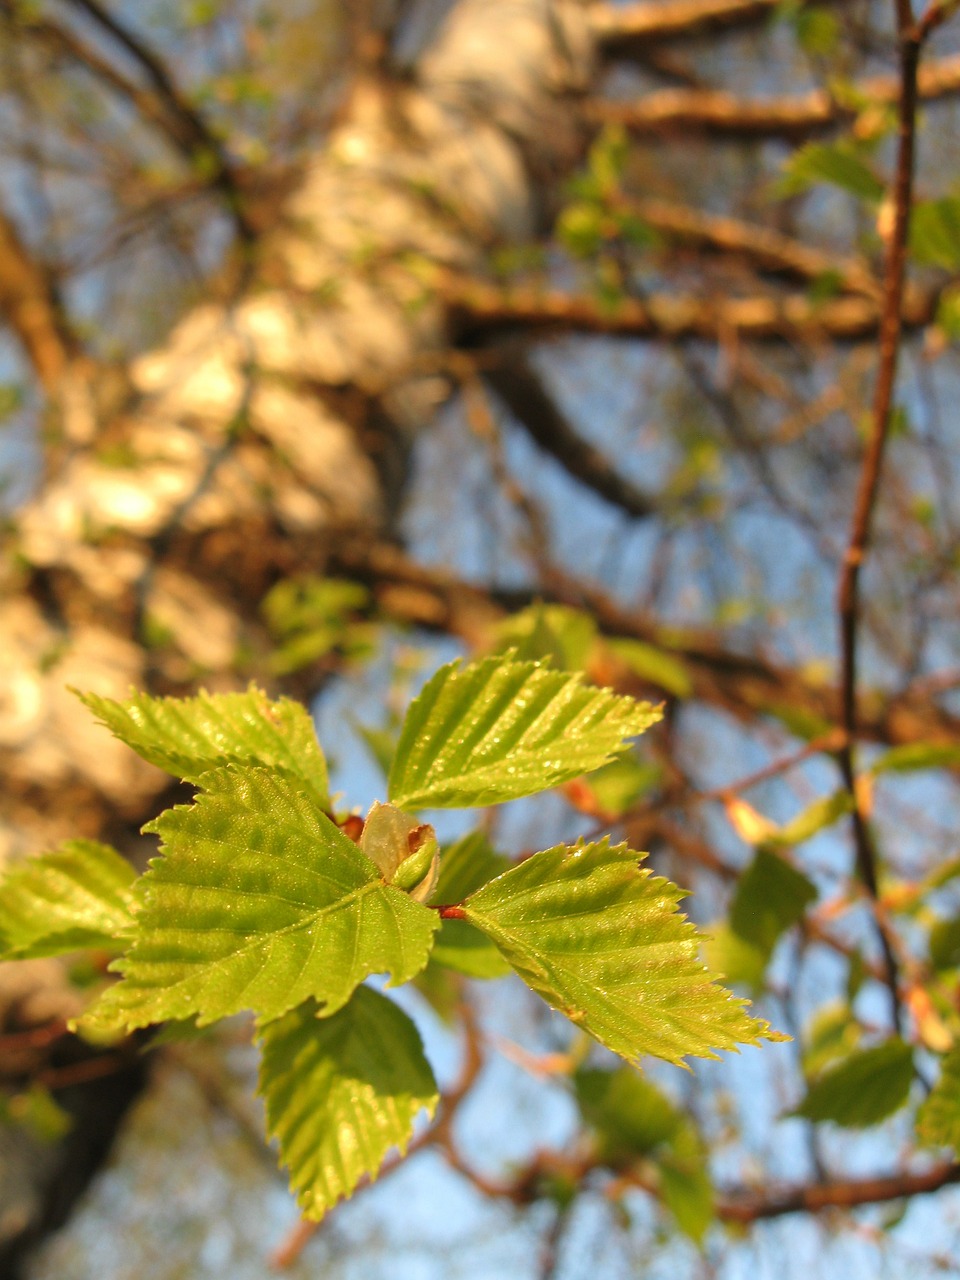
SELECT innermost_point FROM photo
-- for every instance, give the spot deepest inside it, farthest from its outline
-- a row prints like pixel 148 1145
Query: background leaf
pixel 260 903
pixel 498 730
pixel 633 1119
pixel 938 1120
pixel 189 736
pixel 74 897
pixel 771 896
pixel 863 1089
pixel 340 1092
pixel 601 940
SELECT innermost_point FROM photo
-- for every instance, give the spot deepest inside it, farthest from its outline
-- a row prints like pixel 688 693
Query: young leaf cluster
pixel 261 900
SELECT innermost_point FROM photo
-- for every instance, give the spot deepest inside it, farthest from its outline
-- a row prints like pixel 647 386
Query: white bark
pixel 227 426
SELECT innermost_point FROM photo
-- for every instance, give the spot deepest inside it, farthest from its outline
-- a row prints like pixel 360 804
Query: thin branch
pixel 29 304
pixel 743 1206
pixel 182 123
pixel 520 387
pixel 479 307
pixel 848 594
pixel 721 114
pixel 744 685
pixel 770 250
pixel 748 1206
pixel 617 28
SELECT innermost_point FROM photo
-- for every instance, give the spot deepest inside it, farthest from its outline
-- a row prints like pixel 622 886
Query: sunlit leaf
pixel 863 1089
pixel 498 730
pixel 76 896
pixel 601 940
pixel 340 1092
pixel 189 736
pixel 260 903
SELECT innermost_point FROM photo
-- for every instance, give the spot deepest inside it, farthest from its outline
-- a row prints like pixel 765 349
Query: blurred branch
pixel 518 384
pixel 743 1206
pixel 164 105
pixel 29 304
pixel 744 685
pixel 749 1206
pixel 479 307
pixel 770 250
pixel 719 113
pixel 618 27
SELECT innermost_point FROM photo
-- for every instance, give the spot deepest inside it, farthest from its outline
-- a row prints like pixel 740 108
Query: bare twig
pixel 722 114
pixel 479 307
pixel 848 595
pixel 29 304
pixel 186 126
pixel 522 390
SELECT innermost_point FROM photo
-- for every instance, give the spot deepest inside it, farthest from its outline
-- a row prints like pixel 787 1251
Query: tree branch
pixel 748 1206
pixel 720 114
pixel 520 387
pixel 743 685
pixel 480 307
pixel 618 28
pixel 29 303
pixel 848 594
pixel 166 106
pixel 770 250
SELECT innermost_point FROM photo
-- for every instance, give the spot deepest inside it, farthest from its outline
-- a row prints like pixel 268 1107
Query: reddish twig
pixel 849 603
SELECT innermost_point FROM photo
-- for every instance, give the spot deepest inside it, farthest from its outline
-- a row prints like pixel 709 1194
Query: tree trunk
pixel 273 425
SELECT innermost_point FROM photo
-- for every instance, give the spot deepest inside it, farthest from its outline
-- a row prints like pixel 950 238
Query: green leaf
pixel 944 944
pixel 260 903
pixel 838 163
pixel 732 958
pixel 75 897
pixel 863 1089
pixel 498 730
pixel 630 1115
pixel 189 736
pixel 601 940
pixel 550 633
pixel 656 665
pixel 465 867
pixel 831 1033
pixel 771 896
pixel 618 786
pixel 935 232
pixel 340 1092
pixel 938 1120
pixel 918 755
pixel 466 950
pixel 685 1185
pixel 815 818
pixel 633 1118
